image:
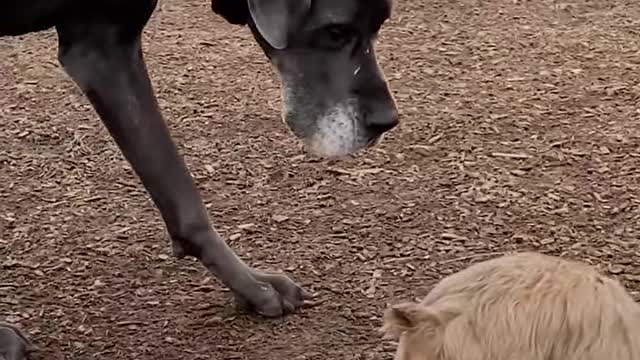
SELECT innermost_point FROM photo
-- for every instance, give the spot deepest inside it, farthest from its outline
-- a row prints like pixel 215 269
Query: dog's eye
pixel 337 36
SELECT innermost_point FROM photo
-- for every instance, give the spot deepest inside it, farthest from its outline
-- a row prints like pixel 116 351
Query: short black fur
pixel 100 48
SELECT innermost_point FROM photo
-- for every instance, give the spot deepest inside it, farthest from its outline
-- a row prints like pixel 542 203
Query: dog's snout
pixel 380 112
pixel 382 119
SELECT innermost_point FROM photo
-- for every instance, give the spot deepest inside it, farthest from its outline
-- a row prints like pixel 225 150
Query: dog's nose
pixel 382 119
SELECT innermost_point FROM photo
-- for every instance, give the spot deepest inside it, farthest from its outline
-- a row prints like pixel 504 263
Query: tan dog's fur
pixel 526 306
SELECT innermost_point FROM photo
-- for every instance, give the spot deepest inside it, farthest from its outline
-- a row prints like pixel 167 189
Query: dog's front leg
pixel 106 62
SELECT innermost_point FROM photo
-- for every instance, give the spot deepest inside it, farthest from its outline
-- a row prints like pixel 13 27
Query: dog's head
pixel 335 96
pixel 420 328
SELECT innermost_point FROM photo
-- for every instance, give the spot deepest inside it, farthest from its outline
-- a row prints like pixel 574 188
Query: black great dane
pixel 335 95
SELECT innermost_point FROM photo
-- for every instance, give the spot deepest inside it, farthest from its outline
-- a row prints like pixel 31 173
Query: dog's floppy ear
pixel 274 19
pixel 403 317
pixel 234 11
pixel 410 316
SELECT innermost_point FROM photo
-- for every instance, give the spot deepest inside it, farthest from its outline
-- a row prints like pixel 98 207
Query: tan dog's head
pixel 419 328
pixel 526 306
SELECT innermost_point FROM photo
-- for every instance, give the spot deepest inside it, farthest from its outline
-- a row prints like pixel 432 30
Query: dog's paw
pixel 14 344
pixel 277 295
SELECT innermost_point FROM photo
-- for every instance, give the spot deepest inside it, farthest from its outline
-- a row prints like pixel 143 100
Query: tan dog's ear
pixel 410 316
pixel 404 317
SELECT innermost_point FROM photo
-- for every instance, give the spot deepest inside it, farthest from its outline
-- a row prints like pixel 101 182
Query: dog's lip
pixel 373 140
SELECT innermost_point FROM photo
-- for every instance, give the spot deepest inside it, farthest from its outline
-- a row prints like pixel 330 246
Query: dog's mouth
pixel 374 140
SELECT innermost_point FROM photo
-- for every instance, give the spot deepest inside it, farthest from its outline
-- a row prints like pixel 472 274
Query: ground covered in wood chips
pixel 520 131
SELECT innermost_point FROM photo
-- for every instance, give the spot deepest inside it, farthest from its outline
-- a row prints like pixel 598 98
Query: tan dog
pixel 526 306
